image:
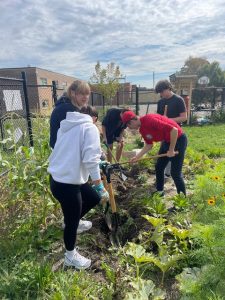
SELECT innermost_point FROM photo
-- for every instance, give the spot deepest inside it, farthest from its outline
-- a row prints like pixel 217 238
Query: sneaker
pixel 78 261
pixel 83 226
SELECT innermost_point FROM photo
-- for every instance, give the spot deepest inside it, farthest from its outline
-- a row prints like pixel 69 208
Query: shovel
pixel 112 219
pixel 122 175
pixel 147 158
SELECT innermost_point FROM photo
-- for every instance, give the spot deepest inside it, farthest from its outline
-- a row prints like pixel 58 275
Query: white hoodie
pixel 77 151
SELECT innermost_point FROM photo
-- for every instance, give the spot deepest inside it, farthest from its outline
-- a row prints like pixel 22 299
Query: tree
pixel 202 67
pixel 193 65
pixel 106 81
pixel 215 73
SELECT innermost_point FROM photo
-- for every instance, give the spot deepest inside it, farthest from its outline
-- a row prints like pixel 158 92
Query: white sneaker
pixel 78 261
pixel 83 226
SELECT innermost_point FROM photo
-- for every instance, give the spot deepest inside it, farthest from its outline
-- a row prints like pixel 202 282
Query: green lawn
pixel 208 139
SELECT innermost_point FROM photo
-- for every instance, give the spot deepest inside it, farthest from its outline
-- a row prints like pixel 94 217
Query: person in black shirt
pixel 74 99
pixel 112 131
pixel 170 105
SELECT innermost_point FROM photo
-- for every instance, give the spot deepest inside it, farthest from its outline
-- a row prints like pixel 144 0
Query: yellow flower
pixel 211 201
pixel 215 177
pixel 223 195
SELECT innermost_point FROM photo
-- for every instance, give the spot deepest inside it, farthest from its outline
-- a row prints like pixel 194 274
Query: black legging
pixel 176 165
pixel 76 201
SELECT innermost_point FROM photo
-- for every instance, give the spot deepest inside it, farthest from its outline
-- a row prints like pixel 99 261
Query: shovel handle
pixel 147 158
pixel 111 198
pixel 110 151
pixel 104 181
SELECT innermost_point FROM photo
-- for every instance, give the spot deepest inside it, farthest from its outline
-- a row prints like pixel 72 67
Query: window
pixel 43 81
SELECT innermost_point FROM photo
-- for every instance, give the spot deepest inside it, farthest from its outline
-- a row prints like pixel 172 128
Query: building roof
pixel 29 67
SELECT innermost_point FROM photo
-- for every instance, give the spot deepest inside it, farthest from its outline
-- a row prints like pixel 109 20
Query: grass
pixel 208 139
pixel 31 238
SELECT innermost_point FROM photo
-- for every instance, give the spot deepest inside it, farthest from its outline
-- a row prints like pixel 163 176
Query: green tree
pixel 214 72
pixel 106 80
pixel 193 65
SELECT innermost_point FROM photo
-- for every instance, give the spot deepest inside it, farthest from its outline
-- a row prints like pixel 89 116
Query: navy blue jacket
pixel 62 106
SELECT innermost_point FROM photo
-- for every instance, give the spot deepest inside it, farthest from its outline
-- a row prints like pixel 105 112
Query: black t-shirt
pixel 112 121
pixel 175 106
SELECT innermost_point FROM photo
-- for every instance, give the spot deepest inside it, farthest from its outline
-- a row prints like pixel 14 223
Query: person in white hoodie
pixel 75 157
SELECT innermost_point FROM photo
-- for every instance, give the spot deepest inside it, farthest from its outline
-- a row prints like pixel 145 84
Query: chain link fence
pixel 14 113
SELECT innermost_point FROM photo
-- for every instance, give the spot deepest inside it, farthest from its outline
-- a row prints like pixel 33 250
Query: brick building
pixel 39 83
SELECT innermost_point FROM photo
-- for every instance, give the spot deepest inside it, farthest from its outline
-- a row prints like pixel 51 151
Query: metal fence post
pixel 103 103
pixel 92 99
pixel 137 100
pixel 223 99
pixel 54 91
pixel 29 124
pixel 117 99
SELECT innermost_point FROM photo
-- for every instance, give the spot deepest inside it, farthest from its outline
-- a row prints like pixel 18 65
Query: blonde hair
pixel 79 87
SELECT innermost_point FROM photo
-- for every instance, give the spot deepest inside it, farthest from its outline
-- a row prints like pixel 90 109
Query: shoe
pixel 78 261
pixel 83 226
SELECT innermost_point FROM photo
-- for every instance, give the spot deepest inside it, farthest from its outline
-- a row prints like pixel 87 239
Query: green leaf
pixel 154 221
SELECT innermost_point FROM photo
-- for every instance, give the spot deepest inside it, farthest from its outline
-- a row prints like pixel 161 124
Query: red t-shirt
pixel 157 128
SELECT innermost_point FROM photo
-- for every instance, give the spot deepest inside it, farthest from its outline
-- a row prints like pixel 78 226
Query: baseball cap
pixel 127 116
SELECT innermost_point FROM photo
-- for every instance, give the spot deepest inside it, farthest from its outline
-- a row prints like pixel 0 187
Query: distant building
pixel 146 95
pixel 183 85
pixel 39 83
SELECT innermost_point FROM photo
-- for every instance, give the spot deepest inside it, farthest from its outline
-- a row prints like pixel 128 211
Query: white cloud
pixel 141 36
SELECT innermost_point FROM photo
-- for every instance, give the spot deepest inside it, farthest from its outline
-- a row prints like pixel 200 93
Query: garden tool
pixel 147 158
pixel 112 219
pixel 122 175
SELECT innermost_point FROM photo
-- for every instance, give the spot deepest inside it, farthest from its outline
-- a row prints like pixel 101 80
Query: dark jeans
pixel 76 201
pixel 176 165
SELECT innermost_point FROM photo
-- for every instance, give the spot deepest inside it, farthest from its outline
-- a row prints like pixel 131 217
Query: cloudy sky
pixel 142 36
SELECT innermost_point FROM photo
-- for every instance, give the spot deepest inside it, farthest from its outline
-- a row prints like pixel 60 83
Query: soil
pixel 130 223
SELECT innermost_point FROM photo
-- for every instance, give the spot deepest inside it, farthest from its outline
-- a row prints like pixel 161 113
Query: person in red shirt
pixel 157 128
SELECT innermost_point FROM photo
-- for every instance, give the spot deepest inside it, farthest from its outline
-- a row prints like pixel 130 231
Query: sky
pixel 148 39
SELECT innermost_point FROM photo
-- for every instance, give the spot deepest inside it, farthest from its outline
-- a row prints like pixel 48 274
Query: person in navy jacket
pixel 76 97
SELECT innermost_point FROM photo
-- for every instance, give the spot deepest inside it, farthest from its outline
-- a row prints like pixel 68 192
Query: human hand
pixel 99 188
pixel 134 159
pixel 102 164
pixel 171 153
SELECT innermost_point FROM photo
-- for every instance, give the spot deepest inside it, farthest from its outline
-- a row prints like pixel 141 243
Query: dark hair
pixel 89 110
pixel 163 85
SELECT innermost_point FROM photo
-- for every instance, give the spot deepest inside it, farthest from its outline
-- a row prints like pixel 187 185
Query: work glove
pixel 103 164
pixel 103 194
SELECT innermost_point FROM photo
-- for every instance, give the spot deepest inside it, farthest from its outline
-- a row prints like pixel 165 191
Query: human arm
pixel 144 150
pixel 91 152
pixel 104 134
pixel 182 118
pixel 173 141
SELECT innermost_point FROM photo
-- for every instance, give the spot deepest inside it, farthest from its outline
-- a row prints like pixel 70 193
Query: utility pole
pixel 124 78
